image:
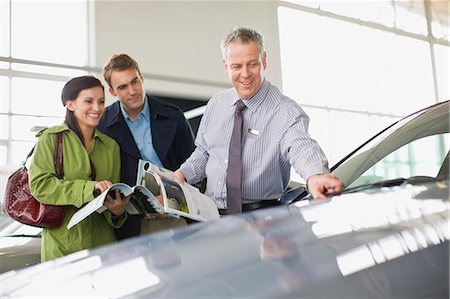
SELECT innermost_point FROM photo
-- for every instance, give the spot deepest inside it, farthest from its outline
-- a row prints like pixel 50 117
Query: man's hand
pixel 179 176
pixel 321 185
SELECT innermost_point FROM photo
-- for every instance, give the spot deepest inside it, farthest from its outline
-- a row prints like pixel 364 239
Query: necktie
pixel 234 170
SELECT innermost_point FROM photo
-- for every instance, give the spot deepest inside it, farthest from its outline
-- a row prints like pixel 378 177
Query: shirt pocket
pixel 253 150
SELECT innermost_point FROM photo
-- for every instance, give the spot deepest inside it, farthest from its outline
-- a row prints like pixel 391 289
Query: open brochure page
pixel 96 205
pixel 184 200
pixel 181 199
pixel 144 166
pixel 144 203
pixel 156 194
pixel 199 204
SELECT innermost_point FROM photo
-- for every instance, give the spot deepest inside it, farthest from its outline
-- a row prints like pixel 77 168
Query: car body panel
pixel 20 245
pixel 385 242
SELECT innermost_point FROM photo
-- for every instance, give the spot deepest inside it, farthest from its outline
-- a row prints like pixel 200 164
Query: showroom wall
pixel 177 43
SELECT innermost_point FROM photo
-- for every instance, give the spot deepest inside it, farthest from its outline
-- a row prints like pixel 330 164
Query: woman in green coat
pixel 91 165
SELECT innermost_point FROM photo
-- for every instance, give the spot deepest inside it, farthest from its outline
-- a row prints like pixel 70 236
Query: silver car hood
pixel 386 242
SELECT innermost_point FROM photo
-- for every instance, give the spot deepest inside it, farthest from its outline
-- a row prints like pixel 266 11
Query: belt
pixel 246 207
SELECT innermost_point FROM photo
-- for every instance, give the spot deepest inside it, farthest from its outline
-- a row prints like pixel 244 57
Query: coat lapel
pixel 121 133
pixel 164 128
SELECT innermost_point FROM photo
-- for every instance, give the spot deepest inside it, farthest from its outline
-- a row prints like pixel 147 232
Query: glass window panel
pixel 69 73
pixel 23 126
pixel 4 127
pixel 378 123
pixel 4 28
pixel 308 64
pixel 4 65
pixel 406 82
pixel 320 131
pixel 410 16
pixel 2 186
pixel 64 24
pixel 380 12
pixel 319 128
pixel 327 62
pixel 4 172
pixel 20 151
pixel 2 156
pixel 402 154
pixel 45 100
pixel 347 131
pixel 440 30
pixel 4 94
pixel 444 146
pixel 440 19
pixel 442 54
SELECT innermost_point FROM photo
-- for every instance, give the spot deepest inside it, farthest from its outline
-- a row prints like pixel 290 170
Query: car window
pixel 421 157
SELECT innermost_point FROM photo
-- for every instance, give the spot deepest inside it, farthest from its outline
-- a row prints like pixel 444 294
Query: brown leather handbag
pixel 20 204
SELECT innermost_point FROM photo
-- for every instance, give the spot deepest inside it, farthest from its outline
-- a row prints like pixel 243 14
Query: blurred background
pixel 354 66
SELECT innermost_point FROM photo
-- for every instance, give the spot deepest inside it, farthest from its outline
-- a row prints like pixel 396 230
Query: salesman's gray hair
pixel 242 35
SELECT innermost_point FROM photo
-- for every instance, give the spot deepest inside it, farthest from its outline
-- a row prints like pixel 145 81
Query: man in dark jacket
pixel 144 127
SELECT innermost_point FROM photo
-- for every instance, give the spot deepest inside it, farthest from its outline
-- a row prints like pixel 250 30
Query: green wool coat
pixel 75 189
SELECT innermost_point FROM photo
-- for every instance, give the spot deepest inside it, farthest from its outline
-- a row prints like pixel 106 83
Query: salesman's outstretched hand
pixel 321 185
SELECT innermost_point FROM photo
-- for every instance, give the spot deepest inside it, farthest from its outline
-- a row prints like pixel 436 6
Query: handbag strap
pixel 28 156
pixel 59 161
pixel 58 157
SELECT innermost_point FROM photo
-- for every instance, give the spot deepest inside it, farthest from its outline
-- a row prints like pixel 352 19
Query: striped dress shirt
pixel 275 137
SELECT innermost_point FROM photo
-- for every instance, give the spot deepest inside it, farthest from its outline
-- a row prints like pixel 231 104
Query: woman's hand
pixel 101 186
pixel 117 206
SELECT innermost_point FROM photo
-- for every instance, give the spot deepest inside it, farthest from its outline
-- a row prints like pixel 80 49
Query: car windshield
pixel 416 146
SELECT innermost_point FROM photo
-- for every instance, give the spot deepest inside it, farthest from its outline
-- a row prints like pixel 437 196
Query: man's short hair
pixel 242 35
pixel 119 62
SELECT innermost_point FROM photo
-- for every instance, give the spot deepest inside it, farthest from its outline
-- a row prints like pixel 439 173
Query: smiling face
pixel 245 67
pixel 128 86
pixel 88 107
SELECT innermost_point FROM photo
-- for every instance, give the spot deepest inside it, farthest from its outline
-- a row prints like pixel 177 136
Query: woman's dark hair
pixel 70 92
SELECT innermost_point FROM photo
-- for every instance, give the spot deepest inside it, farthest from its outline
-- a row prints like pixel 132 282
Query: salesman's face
pixel 245 67
pixel 128 86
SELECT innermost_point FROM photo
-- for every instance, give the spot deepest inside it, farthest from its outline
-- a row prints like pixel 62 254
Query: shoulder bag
pixel 20 204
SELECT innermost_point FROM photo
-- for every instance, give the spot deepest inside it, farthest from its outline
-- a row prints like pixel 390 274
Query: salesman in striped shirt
pixel 274 135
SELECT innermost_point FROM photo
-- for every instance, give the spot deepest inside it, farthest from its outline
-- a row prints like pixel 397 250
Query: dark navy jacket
pixel 172 137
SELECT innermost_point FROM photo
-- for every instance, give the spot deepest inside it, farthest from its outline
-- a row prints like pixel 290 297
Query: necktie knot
pixel 240 106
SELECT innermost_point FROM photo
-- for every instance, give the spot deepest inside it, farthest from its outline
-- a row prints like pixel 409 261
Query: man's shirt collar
pixel 253 102
pixel 145 113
